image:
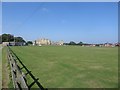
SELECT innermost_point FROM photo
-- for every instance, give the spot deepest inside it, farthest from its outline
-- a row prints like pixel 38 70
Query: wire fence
pixel 19 77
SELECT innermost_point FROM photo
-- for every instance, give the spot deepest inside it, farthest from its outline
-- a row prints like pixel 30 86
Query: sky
pixel 0 18
pixel 88 22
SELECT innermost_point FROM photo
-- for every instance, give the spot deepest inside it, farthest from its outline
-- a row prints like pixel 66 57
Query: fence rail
pixel 18 76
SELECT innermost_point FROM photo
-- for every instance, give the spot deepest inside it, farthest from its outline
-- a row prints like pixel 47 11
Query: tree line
pixel 74 43
pixel 10 38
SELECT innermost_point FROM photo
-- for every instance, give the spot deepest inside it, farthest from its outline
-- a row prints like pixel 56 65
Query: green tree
pixel 29 43
pixel 80 43
pixel 72 43
pixel 19 39
pixel 7 38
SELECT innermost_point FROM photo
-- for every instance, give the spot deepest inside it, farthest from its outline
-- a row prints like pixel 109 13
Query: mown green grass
pixel 0 66
pixel 71 66
pixel 5 71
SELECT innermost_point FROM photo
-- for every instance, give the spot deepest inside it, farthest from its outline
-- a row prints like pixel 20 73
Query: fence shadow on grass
pixel 19 77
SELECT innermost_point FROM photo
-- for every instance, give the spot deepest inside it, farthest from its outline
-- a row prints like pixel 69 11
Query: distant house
pixel 92 45
pixel 86 45
pixel 117 44
pixel 58 43
pixel 108 45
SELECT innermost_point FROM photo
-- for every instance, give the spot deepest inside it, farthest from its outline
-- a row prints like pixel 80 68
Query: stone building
pixel 42 41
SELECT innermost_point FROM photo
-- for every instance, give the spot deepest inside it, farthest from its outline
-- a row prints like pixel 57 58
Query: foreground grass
pixel 5 72
pixel 0 66
pixel 72 66
pixel 6 78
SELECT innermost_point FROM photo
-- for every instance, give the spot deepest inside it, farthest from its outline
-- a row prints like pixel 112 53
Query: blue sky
pixel 0 18
pixel 86 22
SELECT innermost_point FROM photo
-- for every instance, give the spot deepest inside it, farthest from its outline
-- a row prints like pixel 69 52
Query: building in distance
pixel 44 41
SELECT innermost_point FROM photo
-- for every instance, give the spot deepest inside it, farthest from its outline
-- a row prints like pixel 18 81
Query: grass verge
pixel 6 74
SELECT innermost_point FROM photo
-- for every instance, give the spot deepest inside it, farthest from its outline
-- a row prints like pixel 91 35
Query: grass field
pixel 71 66
pixel 6 79
pixel 0 66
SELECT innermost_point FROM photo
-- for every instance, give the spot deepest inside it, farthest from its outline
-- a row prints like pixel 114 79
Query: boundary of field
pixel 19 77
